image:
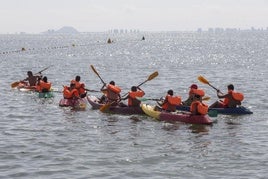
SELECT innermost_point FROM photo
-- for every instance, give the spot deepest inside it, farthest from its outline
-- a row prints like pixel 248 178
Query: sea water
pixel 39 139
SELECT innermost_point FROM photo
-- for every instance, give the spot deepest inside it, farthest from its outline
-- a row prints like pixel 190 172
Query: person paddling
pixel 32 80
pixel 135 92
pixel 230 100
pixel 170 102
pixel 79 86
pixel 112 94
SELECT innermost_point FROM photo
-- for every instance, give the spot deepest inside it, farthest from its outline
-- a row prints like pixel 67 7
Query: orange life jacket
pixel 201 107
pixel 113 92
pixel 132 101
pixel 235 95
pixel 43 86
pixel 79 86
pixel 113 88
pixel 70 94
pixel 171 102
pixel 199 92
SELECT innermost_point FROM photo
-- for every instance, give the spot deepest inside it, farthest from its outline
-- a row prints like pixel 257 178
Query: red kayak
pixel 94 102
pixel 175 116
pixel 79 104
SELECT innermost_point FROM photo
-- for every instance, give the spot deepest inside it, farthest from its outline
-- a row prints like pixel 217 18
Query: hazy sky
pixel 34 16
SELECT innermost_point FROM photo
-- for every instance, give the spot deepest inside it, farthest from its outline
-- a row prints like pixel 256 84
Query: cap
pixel 194 86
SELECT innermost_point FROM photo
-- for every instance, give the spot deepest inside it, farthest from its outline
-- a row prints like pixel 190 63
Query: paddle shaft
pixel 43 70
pixel 215 88
pixel 92 90
pixel 95 71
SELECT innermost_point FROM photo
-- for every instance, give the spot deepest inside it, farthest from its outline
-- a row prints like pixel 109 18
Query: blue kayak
pixel 227 111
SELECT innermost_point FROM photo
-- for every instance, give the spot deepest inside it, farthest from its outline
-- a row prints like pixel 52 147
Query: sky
pixel 35 16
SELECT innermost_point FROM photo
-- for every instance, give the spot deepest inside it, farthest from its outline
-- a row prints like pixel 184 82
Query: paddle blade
pixel 15 84
pixel 212 113
pixel 202 79
pixel 206 98
pixel 105 107
pixel 153 75
pixel 94 70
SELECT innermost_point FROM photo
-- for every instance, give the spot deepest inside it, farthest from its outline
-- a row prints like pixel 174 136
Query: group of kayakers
pixel 231 99
pixel 111 94
pixel 194 100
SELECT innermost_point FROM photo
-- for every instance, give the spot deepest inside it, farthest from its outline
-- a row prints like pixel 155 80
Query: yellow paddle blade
pixel 105 107
pixel 15 84
pixel 153 75
pixel 202 79
pixel 206 98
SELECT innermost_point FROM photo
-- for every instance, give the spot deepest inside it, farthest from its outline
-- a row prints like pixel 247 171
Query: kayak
pixel 227 111
pixel 23 87
pixel 79 104
pixel 93 101
pixel 175 116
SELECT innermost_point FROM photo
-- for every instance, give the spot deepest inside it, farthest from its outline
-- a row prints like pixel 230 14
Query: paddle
pixel 107 106
pixel 147 99
pixel 92 90
pixel 212 113
pixel 95 71
pixel 205 98
pixel 205 81
pixel 15 84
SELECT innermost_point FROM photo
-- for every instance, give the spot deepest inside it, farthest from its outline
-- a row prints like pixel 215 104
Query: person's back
pixel 112 92
pixel 44 85
pixel 171 102
pixel 70 92
pixel 32 80
pixel 189 100
pixel 79 86
pixel 135 92
pixel 230 100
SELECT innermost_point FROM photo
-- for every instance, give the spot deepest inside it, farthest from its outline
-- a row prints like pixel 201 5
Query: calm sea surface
pixel 39 139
